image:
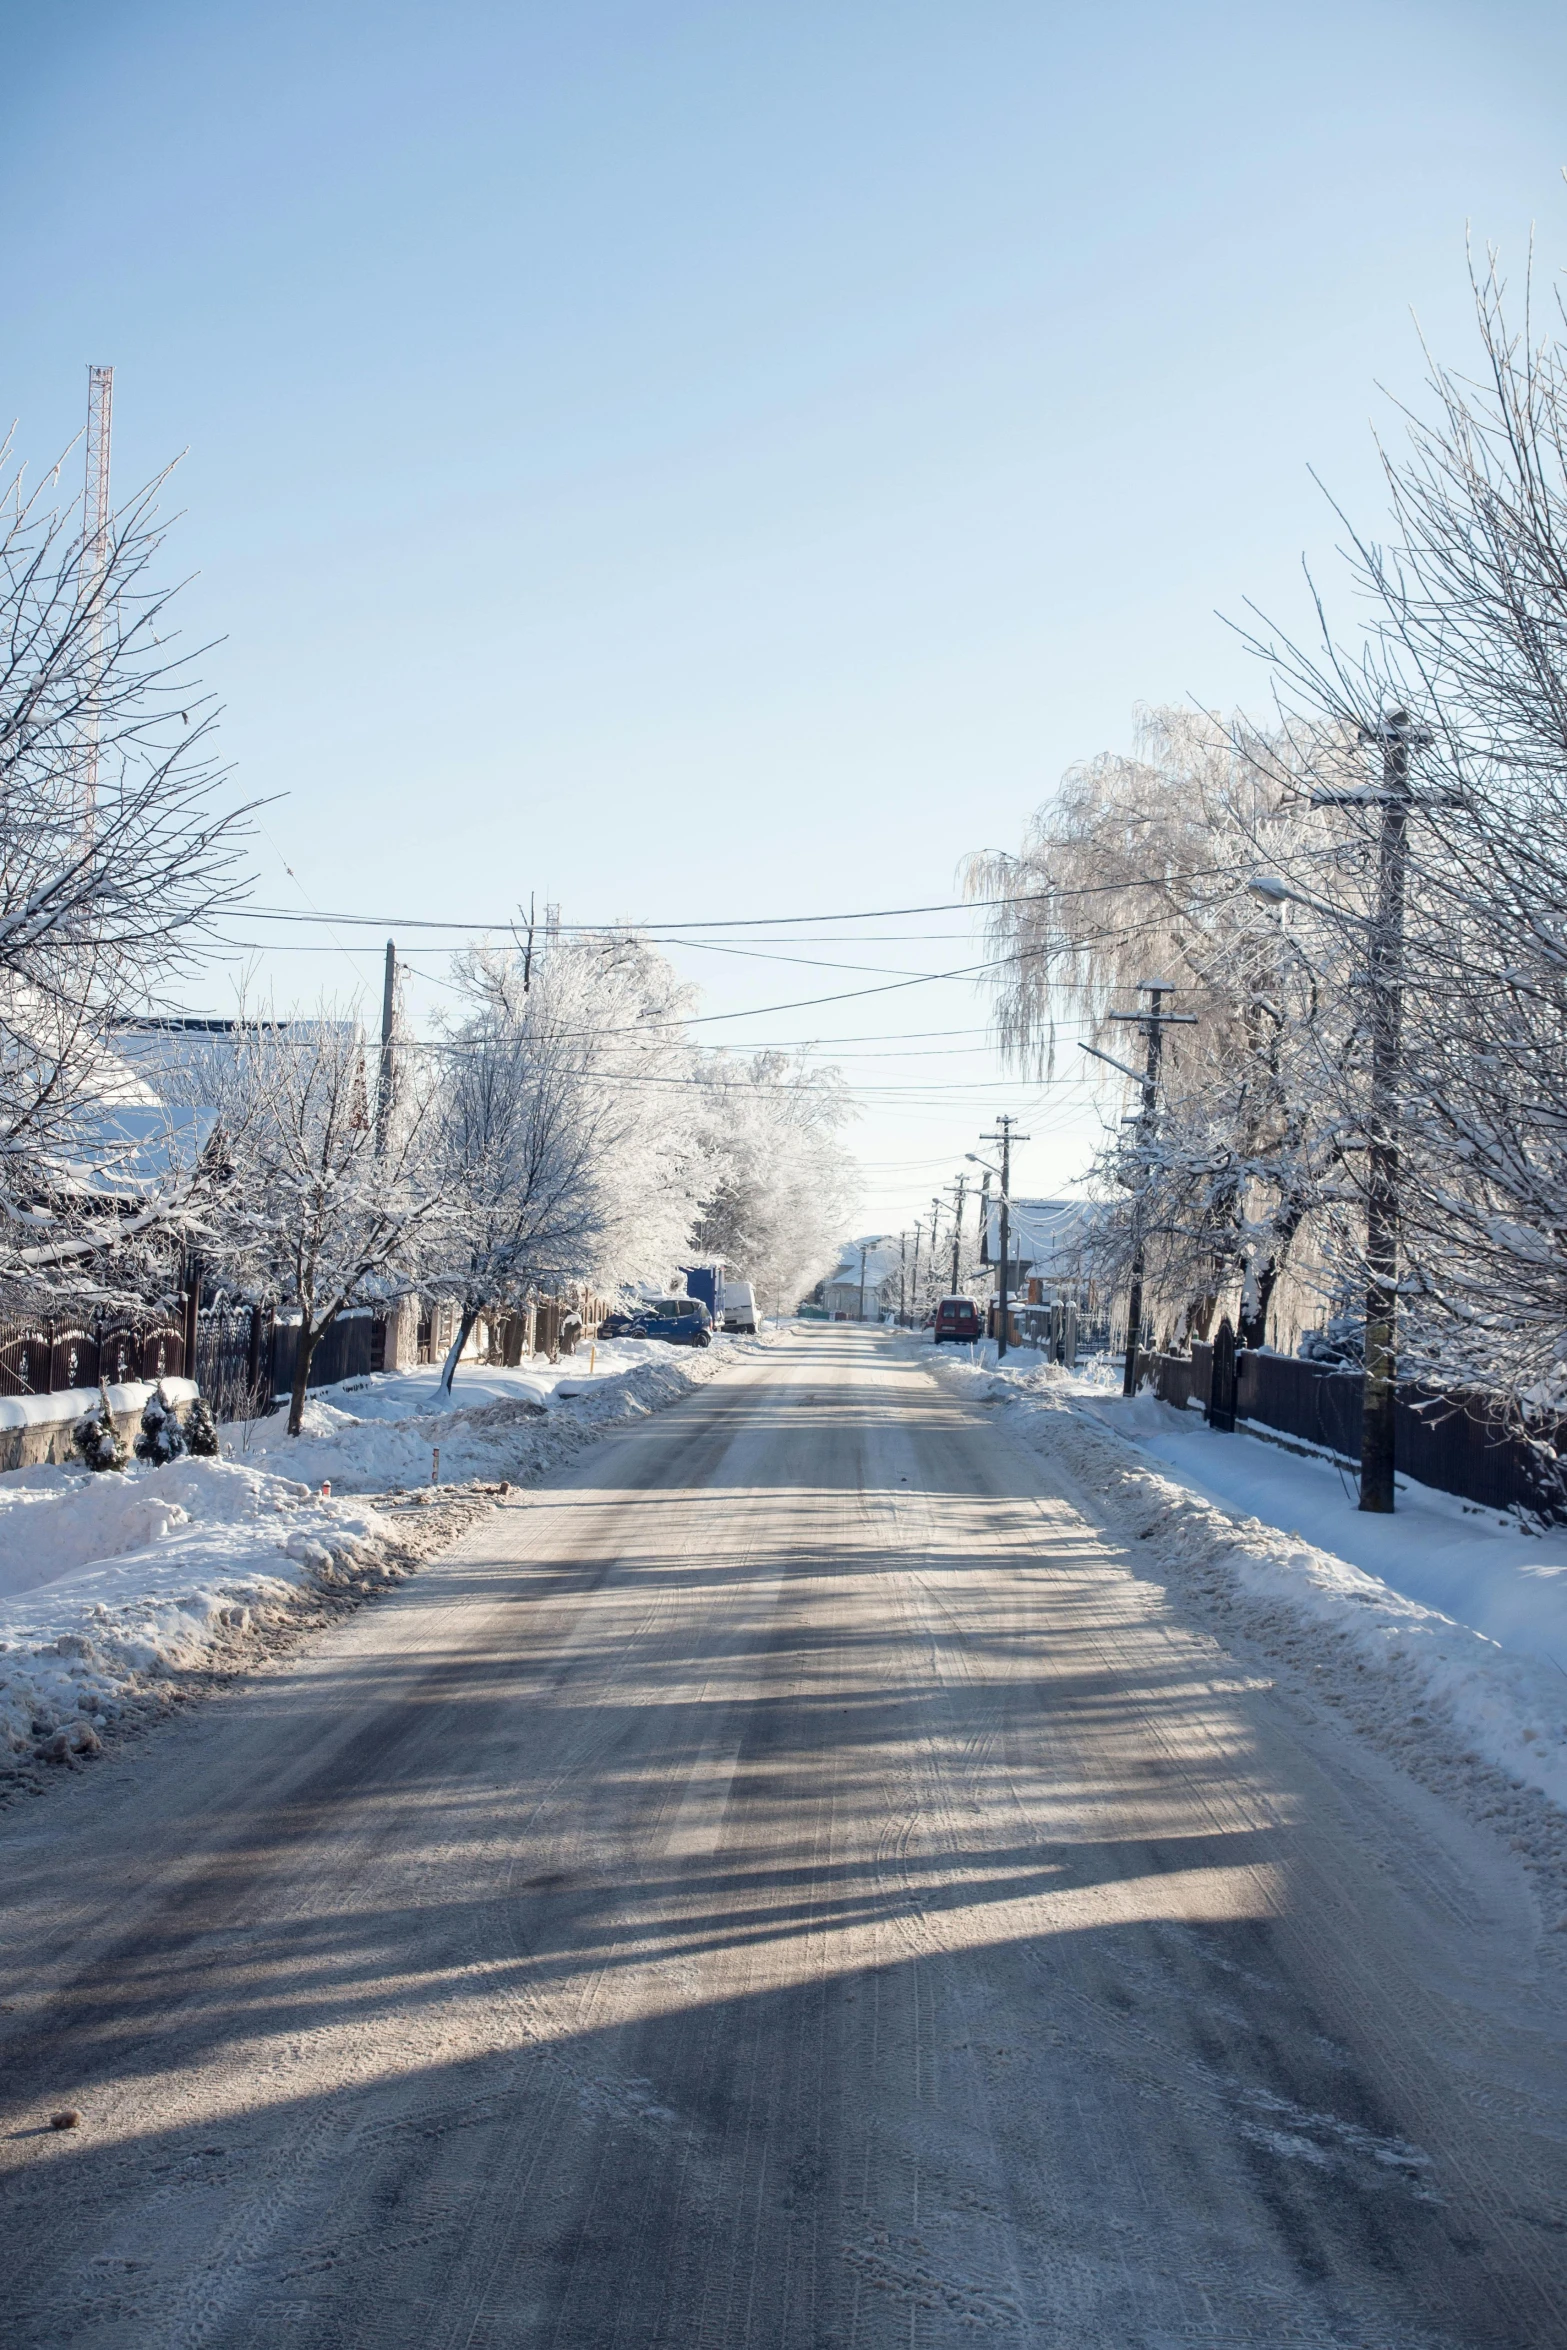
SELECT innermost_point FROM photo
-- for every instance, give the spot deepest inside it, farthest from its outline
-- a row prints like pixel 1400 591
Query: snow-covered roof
pixel 1046 1235
pixel 881 1261
pixel 129 1147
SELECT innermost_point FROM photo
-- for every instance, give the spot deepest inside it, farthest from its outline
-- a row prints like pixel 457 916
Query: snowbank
pixel 1480 1567
pixel 108 1584
pixel 1431 1689
pixel 380 1434
pixel 111 1584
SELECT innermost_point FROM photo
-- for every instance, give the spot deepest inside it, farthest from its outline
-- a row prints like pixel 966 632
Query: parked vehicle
pixel 957 1318
pixel 679 1321
pixel 707 1283
pixel 740 1306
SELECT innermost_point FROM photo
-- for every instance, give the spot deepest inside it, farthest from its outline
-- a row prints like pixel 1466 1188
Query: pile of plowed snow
pixel 110 1583
pixel 377 1434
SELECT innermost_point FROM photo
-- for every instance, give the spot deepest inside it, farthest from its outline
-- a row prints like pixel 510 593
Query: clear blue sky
pixel 686 460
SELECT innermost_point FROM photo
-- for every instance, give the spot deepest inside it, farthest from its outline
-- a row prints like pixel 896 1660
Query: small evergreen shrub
pixel 201 1431
pixel 96 1440
pixel 160 1438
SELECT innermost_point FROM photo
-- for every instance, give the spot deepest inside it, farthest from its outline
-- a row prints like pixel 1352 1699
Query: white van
pixel 739 1306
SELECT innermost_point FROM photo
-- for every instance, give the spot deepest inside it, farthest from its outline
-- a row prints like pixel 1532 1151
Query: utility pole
pixel 1006 1138
pixel 862 1281
pixel 984 1217
pixel 1397 737
pixel 914 1283
pixel 527 952
pixel 383 1091
pixel 903 1270
pixel 961 1188
pixel 1153 1023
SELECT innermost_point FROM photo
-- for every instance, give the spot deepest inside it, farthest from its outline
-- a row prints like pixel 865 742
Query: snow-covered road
pixel 789 1880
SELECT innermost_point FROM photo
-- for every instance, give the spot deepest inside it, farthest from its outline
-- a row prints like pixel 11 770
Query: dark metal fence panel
pixel 163 1353
pixel 119 1352
pixel 1454 1443
pixel 50 1359
pixel 73 1358
pixel 25 1356
pixel 344 1353
pixel 233 1359
pixel 1184 1379
pixel 1301 1399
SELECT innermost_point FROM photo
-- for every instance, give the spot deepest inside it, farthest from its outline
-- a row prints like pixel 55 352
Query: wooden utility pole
pixel 383 1091
pixel 931 1267
pixel 1153 1023
pixel 961 1188
pixel 903 1271
pixel 1006 1138
pixel 1397 737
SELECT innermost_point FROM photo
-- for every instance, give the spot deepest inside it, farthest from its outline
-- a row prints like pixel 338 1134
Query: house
pixel 864 1284
pixel 1047 1248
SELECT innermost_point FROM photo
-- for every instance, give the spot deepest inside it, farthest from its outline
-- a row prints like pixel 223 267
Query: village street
pixel 785 1881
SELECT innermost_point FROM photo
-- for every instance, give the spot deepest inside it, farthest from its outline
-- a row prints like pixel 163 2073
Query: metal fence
pixel 244 1354
pixel 344 1353
pixel 46 1358
pixel 1457 1443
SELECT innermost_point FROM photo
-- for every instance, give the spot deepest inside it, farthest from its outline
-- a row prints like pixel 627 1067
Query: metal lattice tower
pixel 95 562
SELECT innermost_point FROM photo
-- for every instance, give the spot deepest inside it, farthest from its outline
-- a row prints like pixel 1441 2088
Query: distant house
pixel 848 1293
pixel 1047 1247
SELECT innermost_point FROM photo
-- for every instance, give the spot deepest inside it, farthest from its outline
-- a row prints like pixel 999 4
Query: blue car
pixel 679 1321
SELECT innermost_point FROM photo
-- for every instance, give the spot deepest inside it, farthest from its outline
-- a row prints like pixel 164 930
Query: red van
pixel 957 1318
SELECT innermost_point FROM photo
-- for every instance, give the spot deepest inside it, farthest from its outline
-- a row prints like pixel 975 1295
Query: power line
pixel 659 930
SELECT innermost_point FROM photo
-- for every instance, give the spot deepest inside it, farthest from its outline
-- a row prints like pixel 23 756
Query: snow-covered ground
pixel 374 1435
pixel 111 1584
pixel 1441 1632
pixel 1483 1569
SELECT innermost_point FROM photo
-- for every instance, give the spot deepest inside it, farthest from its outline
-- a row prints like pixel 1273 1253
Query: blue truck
pixel 707 1283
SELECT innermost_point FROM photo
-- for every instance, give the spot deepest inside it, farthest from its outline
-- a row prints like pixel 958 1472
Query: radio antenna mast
pixel 95 564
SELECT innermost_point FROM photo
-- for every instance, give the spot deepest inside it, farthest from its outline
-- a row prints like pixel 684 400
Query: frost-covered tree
pixel 570 1147
pixel 1466 603
pixel 783 1187
pixel 116 854
pixel 321 1209
pixel 1140 868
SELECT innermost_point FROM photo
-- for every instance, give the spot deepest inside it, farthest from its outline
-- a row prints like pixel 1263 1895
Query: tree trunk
pixel 470 1315
pixel 309 1339
pixel 1253 1329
